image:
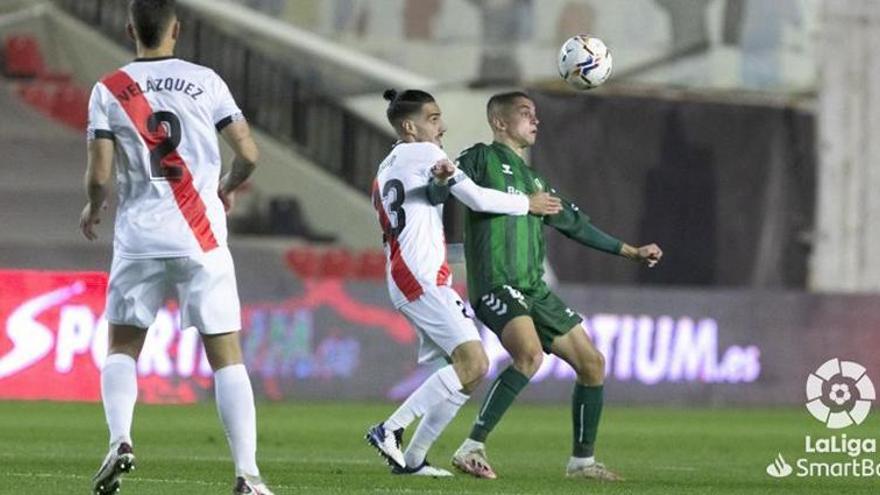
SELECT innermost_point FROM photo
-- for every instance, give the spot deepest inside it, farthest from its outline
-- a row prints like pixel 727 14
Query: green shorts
pixel 551 316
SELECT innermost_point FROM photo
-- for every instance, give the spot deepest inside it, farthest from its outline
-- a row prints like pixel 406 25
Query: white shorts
pixel 204 285
pixel 439 318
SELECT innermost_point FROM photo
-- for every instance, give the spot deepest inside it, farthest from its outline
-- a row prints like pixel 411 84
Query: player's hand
pixel 443 170
pixel 90 217
pixel 228 199
pixel 650 254
pixel 543 203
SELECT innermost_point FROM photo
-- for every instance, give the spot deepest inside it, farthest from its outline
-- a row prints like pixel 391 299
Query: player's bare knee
pixel 122 343
pixel 598 361
pixel 472 379
pixel 129 350
pixel 474 372
pixel 222 350
pixel 478 368
pixel 470 362
pixel 482 366
pixel 472 368
pixel 591 369
pixel 469 388
pixel 528 362
pixel 222 358
pixel 126 339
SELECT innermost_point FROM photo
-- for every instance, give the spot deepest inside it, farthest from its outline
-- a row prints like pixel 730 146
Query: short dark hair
pixel 150 19
pixel 402 105
pixel 503 101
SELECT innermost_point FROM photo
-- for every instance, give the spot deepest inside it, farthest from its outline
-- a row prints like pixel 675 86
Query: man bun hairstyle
pixel 402 105
pixel 150 19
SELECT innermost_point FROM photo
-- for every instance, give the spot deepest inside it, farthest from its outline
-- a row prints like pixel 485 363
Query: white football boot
pixel 119 460
pixel 251 485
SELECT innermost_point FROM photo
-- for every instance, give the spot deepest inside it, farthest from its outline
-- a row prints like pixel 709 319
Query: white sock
pixel 437 388
pixel 432 425
pixel 235 403
pixel 581 461
pixel 119 392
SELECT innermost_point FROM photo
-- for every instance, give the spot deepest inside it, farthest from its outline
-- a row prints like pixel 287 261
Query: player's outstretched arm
pixel 572 223
pixel 238 136
pixel 648 254
pixel 447 178
pixel 486 200
pixel 97 179
pixel 575 225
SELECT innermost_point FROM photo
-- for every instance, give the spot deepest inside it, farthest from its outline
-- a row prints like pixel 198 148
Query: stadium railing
pixel 273 93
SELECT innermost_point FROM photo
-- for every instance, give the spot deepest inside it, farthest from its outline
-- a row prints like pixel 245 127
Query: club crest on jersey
pixel 516 295
pixel 505 169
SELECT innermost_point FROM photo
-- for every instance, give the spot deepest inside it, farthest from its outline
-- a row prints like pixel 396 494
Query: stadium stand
pixel 43 160
pixel 44 106
pixel 22 57
pixel 287 171
pixel 310 262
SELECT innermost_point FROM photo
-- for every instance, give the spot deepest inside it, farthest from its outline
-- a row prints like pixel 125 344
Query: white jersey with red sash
pixel 415 245
pixel 164 115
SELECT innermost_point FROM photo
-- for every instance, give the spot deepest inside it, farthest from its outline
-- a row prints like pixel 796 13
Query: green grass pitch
pixel 318 448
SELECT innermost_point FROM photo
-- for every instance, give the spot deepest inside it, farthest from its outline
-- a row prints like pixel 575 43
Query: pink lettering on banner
pixel 47 346
pixel 53 341
pixel 650 350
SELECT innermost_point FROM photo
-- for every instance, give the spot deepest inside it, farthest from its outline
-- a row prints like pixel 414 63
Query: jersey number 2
pixel 171 124
pixel 395 207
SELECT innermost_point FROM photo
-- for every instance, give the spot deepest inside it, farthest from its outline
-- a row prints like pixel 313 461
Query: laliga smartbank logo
pixel 839 394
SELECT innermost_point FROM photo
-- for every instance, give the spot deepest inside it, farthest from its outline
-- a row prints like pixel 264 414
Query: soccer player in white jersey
pixel 408 193
pixel 157 119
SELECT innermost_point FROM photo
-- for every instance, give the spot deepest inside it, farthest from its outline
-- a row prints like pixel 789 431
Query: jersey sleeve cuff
pixel 220 125
pixel 93 134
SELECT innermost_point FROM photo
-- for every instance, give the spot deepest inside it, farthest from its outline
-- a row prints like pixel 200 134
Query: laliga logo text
pixel 839 394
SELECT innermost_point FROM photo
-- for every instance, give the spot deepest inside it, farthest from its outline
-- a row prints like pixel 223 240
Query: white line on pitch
pixel 292 460
pixel 136 479
pixel 129 479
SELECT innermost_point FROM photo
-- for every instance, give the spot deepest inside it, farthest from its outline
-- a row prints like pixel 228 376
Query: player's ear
pixel 129 28
pixel 496 122
pixel 175 30
pixel 408 126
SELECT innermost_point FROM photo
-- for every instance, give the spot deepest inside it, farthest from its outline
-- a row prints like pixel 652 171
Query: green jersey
pixel 509 250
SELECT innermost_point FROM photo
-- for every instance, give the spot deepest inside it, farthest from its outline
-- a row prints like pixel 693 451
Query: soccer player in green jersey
pixel 505 257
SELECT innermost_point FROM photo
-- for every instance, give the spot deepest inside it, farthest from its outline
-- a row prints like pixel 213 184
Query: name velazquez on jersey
pixel 156 85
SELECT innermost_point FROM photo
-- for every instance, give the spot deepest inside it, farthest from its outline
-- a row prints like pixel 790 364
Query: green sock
pixel 586 409
pixel 501 395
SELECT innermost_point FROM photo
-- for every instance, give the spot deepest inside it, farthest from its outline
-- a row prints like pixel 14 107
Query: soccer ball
pixel 584 62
